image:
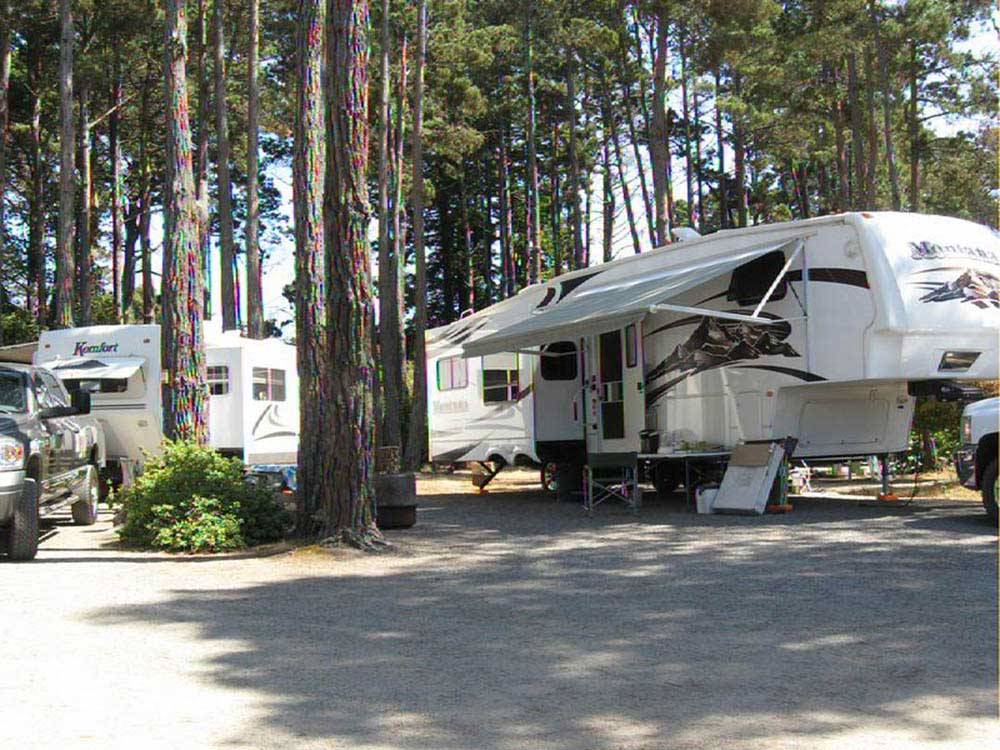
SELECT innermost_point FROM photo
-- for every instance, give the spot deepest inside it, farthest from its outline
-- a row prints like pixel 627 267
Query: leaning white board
pixel 749 477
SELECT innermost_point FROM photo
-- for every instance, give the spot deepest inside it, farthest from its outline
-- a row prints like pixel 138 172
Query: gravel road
pixel 509 621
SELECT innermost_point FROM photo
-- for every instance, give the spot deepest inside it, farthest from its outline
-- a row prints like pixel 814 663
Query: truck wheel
pixel 22 534
pixel 989 484
pixel 85 509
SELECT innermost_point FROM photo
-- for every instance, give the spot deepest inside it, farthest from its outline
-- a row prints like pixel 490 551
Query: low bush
pixel 191 499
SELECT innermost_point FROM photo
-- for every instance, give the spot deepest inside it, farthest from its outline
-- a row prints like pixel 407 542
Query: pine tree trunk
pixel 227 248
pixel 347 507
pixel 884 85
pixel 255 300
pixel 201 151
pixel 659 137
pixel 914 123
pixel 555 207
pixel 5 21
pixel 532 211
pixel 739 155
pixel 391 268
pixel 84 262
pixel 36 204
pixel 843 179
pixel 859 199
pixel 610 123
pixel 871 139
pixel 699 177
pixel 647 206
pixel 117 229
pixel 688 170
pixel 468 258
pixel 184 393
pixel 417 437
pixel 5 55
pixel 608 208
pixel 146 251
pixel 574 162
pixel 488 231
pixel 145 217
pixel 720 148
pixel 65 271
pixel 308 166
pixel 506 220
pixel 399 227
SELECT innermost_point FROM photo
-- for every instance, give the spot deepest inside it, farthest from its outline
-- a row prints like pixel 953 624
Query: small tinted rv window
pixel 751 281
pixel 268 385
pixel 217 377
pixel 631 346
pixel 104 385
pixel 561 362
pixel 499 385
pixel 452 373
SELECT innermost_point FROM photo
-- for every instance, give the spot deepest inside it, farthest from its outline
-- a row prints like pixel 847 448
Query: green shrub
pixel 191 499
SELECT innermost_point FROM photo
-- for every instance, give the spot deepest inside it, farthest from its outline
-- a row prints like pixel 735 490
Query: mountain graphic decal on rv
pixel 271 419
pixel 975 287
pixel 716 343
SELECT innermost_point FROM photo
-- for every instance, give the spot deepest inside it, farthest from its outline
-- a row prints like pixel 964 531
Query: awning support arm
pixel 777 279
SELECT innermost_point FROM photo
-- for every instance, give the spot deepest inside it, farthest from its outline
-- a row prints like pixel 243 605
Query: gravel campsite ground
pixel 508 620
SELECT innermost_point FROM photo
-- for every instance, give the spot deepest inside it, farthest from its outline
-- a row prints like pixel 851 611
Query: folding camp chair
pixel 612 476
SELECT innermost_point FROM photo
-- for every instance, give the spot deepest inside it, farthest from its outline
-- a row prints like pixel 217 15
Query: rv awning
pixel 615 304
pixel 87 368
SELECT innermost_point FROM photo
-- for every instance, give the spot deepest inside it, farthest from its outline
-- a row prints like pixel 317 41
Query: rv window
pixel 104 385
pixel 631 350
pixel 561 362
pixel 751 281
pixel 217 377
pixel 268 385
pixel 452 373
pixel 499 385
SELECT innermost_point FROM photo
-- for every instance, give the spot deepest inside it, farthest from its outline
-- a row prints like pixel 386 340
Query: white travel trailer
pixel 823 330
pixel 253 387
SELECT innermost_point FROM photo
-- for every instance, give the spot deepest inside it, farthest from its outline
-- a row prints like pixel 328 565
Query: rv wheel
pixel 85 509
pixel 989 485
pixel 550 480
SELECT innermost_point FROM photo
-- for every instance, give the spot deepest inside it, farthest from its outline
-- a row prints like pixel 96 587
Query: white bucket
pixel 704 497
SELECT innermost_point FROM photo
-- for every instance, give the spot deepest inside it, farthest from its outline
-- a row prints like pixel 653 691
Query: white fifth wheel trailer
pixel 823 330
pixel 253 389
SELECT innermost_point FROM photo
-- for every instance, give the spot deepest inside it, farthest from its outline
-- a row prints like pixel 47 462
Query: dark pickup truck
pixel 51 453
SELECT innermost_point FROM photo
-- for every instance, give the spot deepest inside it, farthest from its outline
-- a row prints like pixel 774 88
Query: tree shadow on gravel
pixel 615 632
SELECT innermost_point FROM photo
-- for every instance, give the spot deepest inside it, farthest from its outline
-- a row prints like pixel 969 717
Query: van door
pixel 616 387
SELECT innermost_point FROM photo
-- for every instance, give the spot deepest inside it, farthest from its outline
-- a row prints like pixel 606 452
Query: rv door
pixel 615 388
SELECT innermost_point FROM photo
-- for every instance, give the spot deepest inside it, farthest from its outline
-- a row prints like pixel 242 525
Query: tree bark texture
pixel 201 150
pixel 417 437
pixel 390 356
pixel 574 164
pixel 84 261
pixel 255 299
pixel 227 248
pixel 4 120
pixel 532 209
pixel 185 414
pixel 347 506
pixel 308 178
pixel 65 270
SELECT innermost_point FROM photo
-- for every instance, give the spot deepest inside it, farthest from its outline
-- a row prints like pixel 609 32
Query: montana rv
pixel 823 330
pixel 253 389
